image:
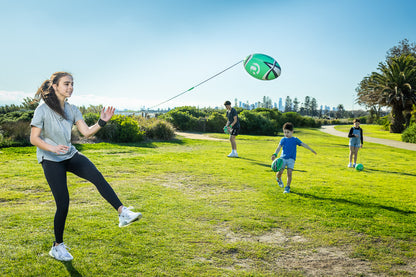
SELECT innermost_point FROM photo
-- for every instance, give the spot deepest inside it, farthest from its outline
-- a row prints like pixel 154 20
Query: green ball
pixel 277 164
pixel 359 167
pixel 262 67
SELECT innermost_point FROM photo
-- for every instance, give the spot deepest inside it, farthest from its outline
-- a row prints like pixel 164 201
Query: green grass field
pixel 207 215
pixel 375 131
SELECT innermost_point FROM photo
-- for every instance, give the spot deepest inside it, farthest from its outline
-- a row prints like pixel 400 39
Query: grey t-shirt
pixel 55 130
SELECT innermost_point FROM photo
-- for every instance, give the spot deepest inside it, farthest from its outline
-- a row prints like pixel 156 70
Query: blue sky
pixel 131 54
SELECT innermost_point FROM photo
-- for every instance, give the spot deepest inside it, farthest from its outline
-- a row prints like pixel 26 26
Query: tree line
pixel 309 107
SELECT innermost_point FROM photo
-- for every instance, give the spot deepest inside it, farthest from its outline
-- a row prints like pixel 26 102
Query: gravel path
pixel 329 129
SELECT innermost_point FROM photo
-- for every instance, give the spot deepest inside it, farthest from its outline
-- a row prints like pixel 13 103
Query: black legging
pixel 55 173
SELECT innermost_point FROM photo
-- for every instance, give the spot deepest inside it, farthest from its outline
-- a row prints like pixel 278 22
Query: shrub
pixel 159 129
pixel 299 121
pixel 183 121
pixel 385 121
pixel 15 131
pixel 409 135
pixel 215 122
pixel 256 124
pixel 91 118
pixel 17 115
pixel 121 129
pixel 195 112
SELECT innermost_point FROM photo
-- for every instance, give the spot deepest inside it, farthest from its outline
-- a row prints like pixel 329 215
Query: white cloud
pixel 13 97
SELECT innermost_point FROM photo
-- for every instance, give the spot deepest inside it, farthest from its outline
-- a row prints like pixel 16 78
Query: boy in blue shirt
pixel 289 144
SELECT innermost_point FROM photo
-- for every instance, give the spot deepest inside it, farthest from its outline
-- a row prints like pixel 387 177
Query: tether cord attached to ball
pixel 196 85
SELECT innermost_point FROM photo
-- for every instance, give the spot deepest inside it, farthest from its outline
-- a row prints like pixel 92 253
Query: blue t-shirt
pixel 289 147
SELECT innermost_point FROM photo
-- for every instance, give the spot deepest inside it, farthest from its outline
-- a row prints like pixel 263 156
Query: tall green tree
pixel 340 111
pixel 395 83
pixel 314 107
pixel 368 97
pixel 295 105
pixel 288 104
pixel 403 49
pixel 307 105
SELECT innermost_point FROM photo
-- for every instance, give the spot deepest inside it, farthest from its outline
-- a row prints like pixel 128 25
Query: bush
pixel 409 135
pixel 159 129
pixel 264 121
pixel 121 129
pixel 16 116
pixel 385 121
pixel 256 124
pixel 298 120
pixel 182 120
pixel 15 133
pixel 216 122
pixel 91 118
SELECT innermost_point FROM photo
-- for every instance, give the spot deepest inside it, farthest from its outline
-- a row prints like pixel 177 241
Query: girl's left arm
pixel 105 116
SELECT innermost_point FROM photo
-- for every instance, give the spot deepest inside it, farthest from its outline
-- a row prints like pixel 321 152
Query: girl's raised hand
pixel 106 115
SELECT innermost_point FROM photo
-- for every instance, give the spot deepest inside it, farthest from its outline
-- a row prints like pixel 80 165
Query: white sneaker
pixel 127 217
pixel 231 155
pixel 60 252
pixel 350 165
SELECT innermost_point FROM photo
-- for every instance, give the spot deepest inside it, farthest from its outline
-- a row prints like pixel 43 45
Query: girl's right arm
pixel 37 141
pixel 350 134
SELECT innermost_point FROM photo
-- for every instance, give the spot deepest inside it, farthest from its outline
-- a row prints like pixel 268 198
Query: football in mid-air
pixel 262 67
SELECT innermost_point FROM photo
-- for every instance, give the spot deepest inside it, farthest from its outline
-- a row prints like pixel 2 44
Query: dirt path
pixel 198 136
pixel 330 129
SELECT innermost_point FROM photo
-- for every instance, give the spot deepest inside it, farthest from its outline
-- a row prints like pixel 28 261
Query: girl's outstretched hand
pixel 106 115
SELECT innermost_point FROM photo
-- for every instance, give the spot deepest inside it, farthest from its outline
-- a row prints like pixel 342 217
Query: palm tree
pixel 396 87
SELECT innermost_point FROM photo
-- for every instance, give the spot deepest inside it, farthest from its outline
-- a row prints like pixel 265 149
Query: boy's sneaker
pixel 350 165
pixel 60 253
pixel 287 190
pixel 127 217
pixel 280 182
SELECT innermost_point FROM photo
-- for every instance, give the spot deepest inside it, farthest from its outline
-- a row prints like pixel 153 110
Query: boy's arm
pixel 274 156
pixel 307 147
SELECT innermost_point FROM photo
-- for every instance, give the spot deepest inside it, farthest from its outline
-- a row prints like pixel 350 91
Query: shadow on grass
pixel 264 164
pixel 71 269
pixel 256 162
pixel 344 201
pixel 147 144
pixel 389 172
